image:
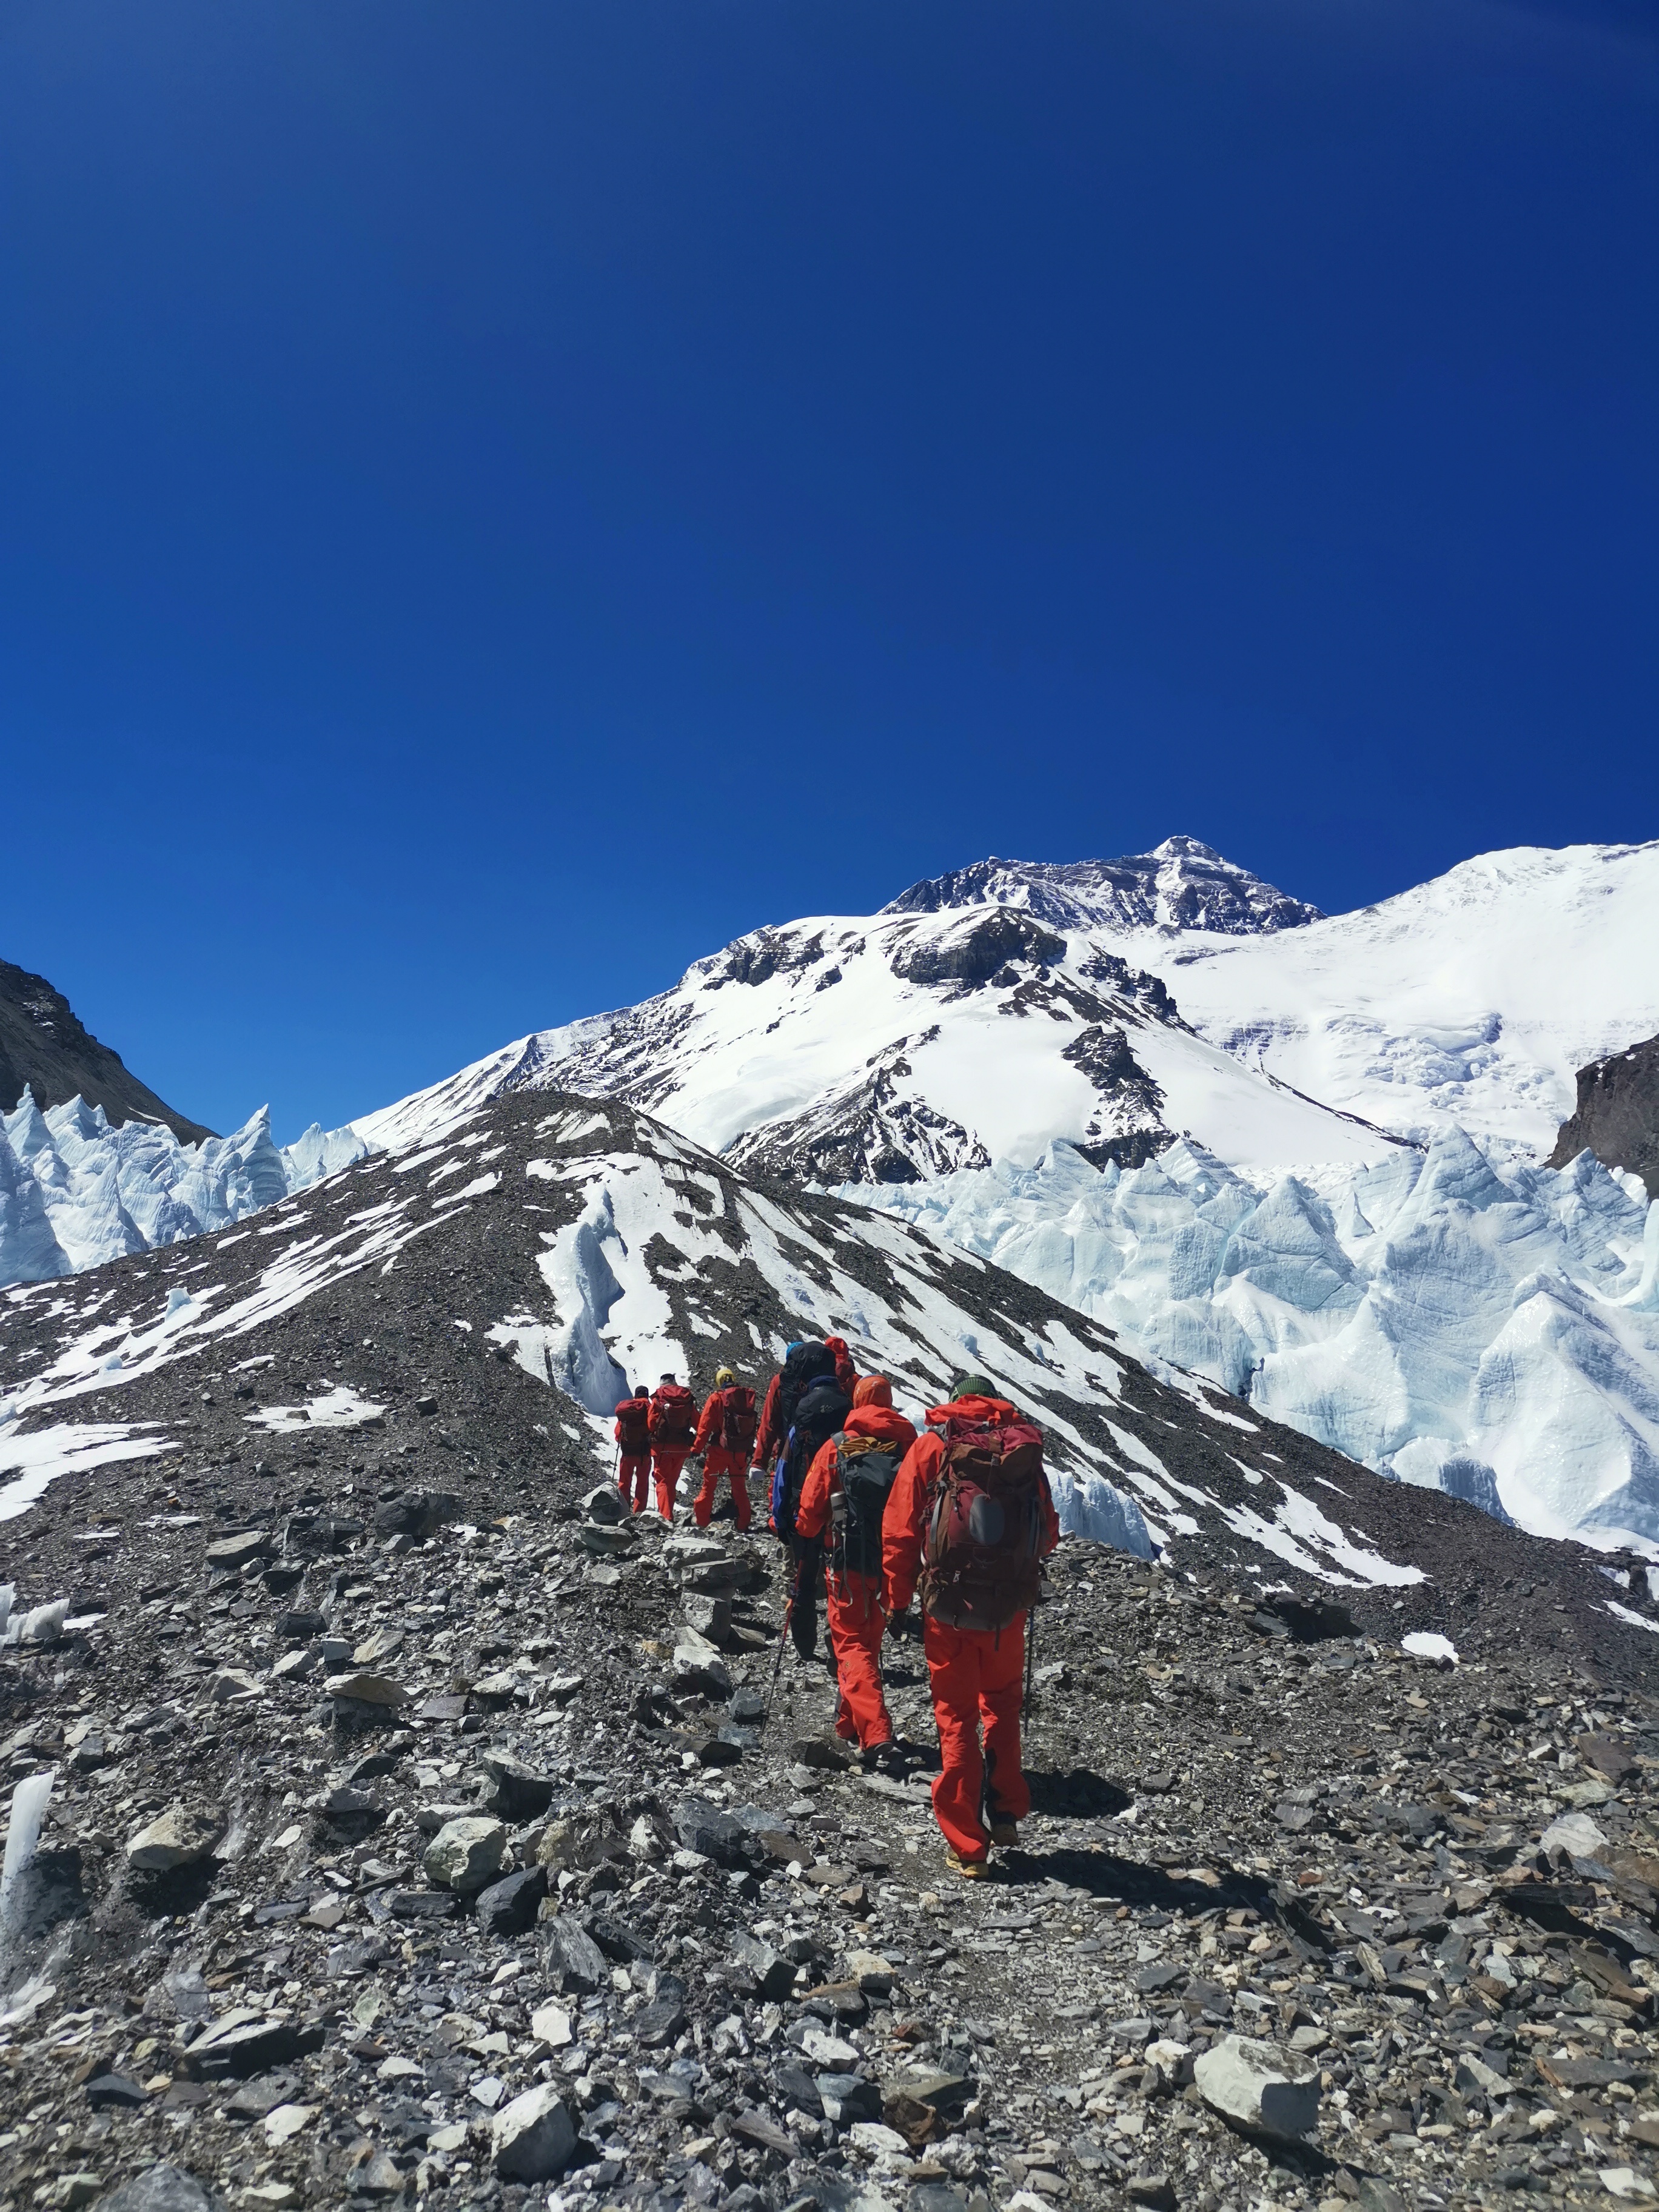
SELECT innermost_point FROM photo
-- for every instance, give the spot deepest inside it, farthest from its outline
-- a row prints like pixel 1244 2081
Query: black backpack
pixel 804 1364
pixel 819 1414
pixel 867 1469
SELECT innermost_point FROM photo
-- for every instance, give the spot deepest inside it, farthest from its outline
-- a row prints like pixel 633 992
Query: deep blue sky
pixel 496 499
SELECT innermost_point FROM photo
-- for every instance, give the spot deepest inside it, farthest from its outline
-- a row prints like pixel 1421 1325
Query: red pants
pixel 714 1465
pixel 632 1477
pixel 857 1621
pixel 665 1465
pixel 976 1678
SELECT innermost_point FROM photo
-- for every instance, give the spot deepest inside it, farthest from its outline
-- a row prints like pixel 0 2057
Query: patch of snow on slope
pixel 338 1408
pixel 67 1447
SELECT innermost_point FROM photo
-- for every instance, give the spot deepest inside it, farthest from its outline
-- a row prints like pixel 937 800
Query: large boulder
pixel 466 1855
pixel 532 2138
pixel 514 1791
pixel 178 1837
pixel 1258 2086
pixel 417 1513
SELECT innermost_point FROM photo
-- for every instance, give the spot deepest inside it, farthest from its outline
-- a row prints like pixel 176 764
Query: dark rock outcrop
pixel 45 1047
pixel 1617 1116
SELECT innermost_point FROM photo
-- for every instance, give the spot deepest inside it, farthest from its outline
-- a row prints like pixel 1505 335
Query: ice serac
pixel 75 1192
pixel 1488 1330
pixel 29 1253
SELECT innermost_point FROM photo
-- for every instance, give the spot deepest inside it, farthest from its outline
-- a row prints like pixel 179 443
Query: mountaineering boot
pixel 1005 1833
pixel 969 1869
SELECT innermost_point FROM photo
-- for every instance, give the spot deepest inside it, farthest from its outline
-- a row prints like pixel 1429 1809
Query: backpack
pixel 866 1468
pixel 674 1417
pixel 739 1419
pixel 818 1416
pixel 985 1531
pixel 633 1428
pixel 805 1365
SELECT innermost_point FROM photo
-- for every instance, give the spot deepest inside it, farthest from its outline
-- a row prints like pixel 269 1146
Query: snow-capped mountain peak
pixel 1179 885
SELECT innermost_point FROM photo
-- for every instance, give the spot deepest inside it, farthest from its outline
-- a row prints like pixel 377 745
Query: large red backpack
pixel 985 1532
pixel 633 1428
pixel 673 1416
pixel 739 1419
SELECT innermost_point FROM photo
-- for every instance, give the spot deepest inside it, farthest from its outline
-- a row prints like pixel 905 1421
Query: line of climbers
pixel 876 1517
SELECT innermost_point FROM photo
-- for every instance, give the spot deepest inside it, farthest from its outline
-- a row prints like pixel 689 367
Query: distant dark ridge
pixel 1617 1116
pixel 44 1045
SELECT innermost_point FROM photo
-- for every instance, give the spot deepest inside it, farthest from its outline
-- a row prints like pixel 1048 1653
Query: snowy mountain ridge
pixel 1179 884
pixel 1291 1152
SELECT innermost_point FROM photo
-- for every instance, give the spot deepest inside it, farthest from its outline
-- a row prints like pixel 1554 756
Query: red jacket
pixel 671 1426
pixel 710 1422
pixel 768 1437
pixel 904 1525
pixel 846 1374
pixel 812 1514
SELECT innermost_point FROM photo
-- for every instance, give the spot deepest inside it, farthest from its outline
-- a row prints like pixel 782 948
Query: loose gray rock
pixel 177 1839
pixel 532 2139
pixel 1256 2084
pixel 161 2189
pixel 465 1855
pixel 771 1975
pixel 574 1960
pixel 509 1907
pixel 514 1791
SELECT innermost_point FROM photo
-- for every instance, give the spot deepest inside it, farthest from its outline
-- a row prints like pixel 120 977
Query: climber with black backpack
pixel 805 1407
pixel 726 1436
pixel 968 1524
pixel 846 1489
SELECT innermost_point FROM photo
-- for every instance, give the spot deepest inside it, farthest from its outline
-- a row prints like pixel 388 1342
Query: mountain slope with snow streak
pixel 909 1043
pixel 468 1309
pixel 1473 999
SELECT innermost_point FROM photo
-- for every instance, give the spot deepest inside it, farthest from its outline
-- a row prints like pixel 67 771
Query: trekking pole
pixel 777 1664
pixel 1030 1661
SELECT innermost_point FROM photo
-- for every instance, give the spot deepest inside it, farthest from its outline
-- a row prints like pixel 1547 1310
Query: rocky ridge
pixel 47 1048
pixel 1616 1115
pixel 418 1830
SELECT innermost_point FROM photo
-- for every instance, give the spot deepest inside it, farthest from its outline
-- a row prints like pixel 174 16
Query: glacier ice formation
pixel 75 1192
pixel 1490 1331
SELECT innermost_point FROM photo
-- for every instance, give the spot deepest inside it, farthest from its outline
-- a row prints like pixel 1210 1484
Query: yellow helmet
pixel 725 1379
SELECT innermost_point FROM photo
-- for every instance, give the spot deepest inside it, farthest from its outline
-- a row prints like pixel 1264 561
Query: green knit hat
pixel 973 1386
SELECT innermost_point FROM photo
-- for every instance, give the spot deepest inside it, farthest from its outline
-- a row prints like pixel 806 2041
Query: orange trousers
pixel 714 1465
pixel 665 1470
pixel 632 1477
pixel 857 1621
pixel 975 1678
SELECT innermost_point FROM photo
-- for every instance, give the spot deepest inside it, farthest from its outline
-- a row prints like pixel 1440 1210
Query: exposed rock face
pixel 1617 1115
pixel 43 1046
pixel 980 949
pixel 1182 884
